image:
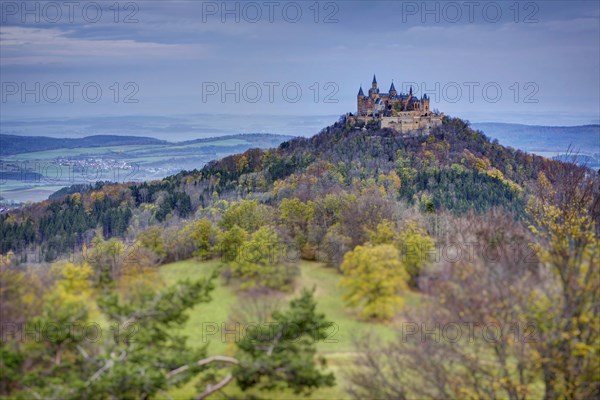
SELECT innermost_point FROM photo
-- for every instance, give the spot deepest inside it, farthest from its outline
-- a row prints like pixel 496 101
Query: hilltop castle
pixel 402 112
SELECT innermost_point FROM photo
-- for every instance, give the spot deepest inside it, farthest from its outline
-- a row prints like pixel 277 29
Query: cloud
pixel 27 46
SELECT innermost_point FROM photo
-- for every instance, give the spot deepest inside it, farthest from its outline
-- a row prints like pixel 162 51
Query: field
pixel 329 299
pixel 33 176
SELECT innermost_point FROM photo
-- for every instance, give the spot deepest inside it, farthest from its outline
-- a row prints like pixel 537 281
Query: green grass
pixel 337 349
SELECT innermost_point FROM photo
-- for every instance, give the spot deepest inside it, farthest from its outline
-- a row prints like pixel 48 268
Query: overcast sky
pixel 527 62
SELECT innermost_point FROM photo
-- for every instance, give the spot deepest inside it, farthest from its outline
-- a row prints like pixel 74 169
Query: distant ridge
pixel 15 144
pixel 585 138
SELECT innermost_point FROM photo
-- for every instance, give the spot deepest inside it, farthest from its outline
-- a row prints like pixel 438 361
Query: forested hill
pixel 455 168
pixel 14 144
pixel 372 171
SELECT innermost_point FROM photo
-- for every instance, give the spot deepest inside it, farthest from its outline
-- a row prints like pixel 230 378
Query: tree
pixel 152 239
pixel 50 359
pixel 296 216
pixel 564 216
pixel 230 242
pixel 374 278
pixel 385 233
pixel 471 337
pixel 414 244
pixel 106 258
pixel 20 291
pixel 365 212
pixel 247 214
pixel 282 354
pixel 279 353
pixel 259 262
pixel 204 236
pixel 145 355
pixel 179 244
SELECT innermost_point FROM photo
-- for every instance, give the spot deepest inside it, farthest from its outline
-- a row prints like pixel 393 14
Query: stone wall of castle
pixel 406 122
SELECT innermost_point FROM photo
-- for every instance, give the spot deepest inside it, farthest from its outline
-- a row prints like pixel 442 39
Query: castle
pixel 402 112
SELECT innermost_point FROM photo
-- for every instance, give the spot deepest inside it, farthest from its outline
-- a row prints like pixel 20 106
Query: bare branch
pixel 204 361
pixel 210 389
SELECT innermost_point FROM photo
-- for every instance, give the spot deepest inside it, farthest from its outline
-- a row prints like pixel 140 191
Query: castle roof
pixel 374 79
pixel 392 88
pixel 360 92
pixel 396 96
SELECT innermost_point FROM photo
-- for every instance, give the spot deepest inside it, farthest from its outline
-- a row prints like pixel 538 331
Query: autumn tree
pixel 564 215
pixel 230 243
pixel 415 246
pixel 385 233
pixel 106 258
pixel 151 239
pixel 471 337
pixel 374 279
pixel 247 214
pixel 204 236
pixel 260 262
pixel 296 217
pixel 57 337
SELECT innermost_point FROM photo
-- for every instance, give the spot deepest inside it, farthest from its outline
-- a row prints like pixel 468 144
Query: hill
pixel 14 144
pixel 454 169
pixel 548 141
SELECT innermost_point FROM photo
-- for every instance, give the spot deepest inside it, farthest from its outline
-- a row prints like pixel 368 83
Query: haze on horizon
pixel 182 68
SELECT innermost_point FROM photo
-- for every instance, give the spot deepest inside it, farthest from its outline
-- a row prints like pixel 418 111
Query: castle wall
pixel 411 121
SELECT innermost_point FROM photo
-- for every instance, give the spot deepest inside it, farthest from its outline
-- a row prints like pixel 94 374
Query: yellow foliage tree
pixel 566 309
pixel 374 278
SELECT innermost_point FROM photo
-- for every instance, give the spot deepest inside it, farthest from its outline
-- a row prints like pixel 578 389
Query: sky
pixel 183 69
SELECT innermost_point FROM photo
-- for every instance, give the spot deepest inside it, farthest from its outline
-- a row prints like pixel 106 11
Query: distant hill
pixel 544 139
pixel 242 136
pixel 13 144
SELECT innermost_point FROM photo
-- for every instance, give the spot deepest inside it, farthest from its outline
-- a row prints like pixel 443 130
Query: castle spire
pixel 360 92
pixel 374 80
pixel 392 88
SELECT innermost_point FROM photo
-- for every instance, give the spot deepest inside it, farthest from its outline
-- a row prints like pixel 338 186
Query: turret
pixel 425 103
pixel 393 91
pixel 360 92
pixel 374 91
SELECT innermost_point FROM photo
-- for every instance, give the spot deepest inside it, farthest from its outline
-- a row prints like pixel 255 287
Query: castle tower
pixel 393 91
pixel 425 102
pixel 360 102
pixel 360 92
pixel 374 91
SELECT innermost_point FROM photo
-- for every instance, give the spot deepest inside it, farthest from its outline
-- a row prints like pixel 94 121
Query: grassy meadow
pixel 328 295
